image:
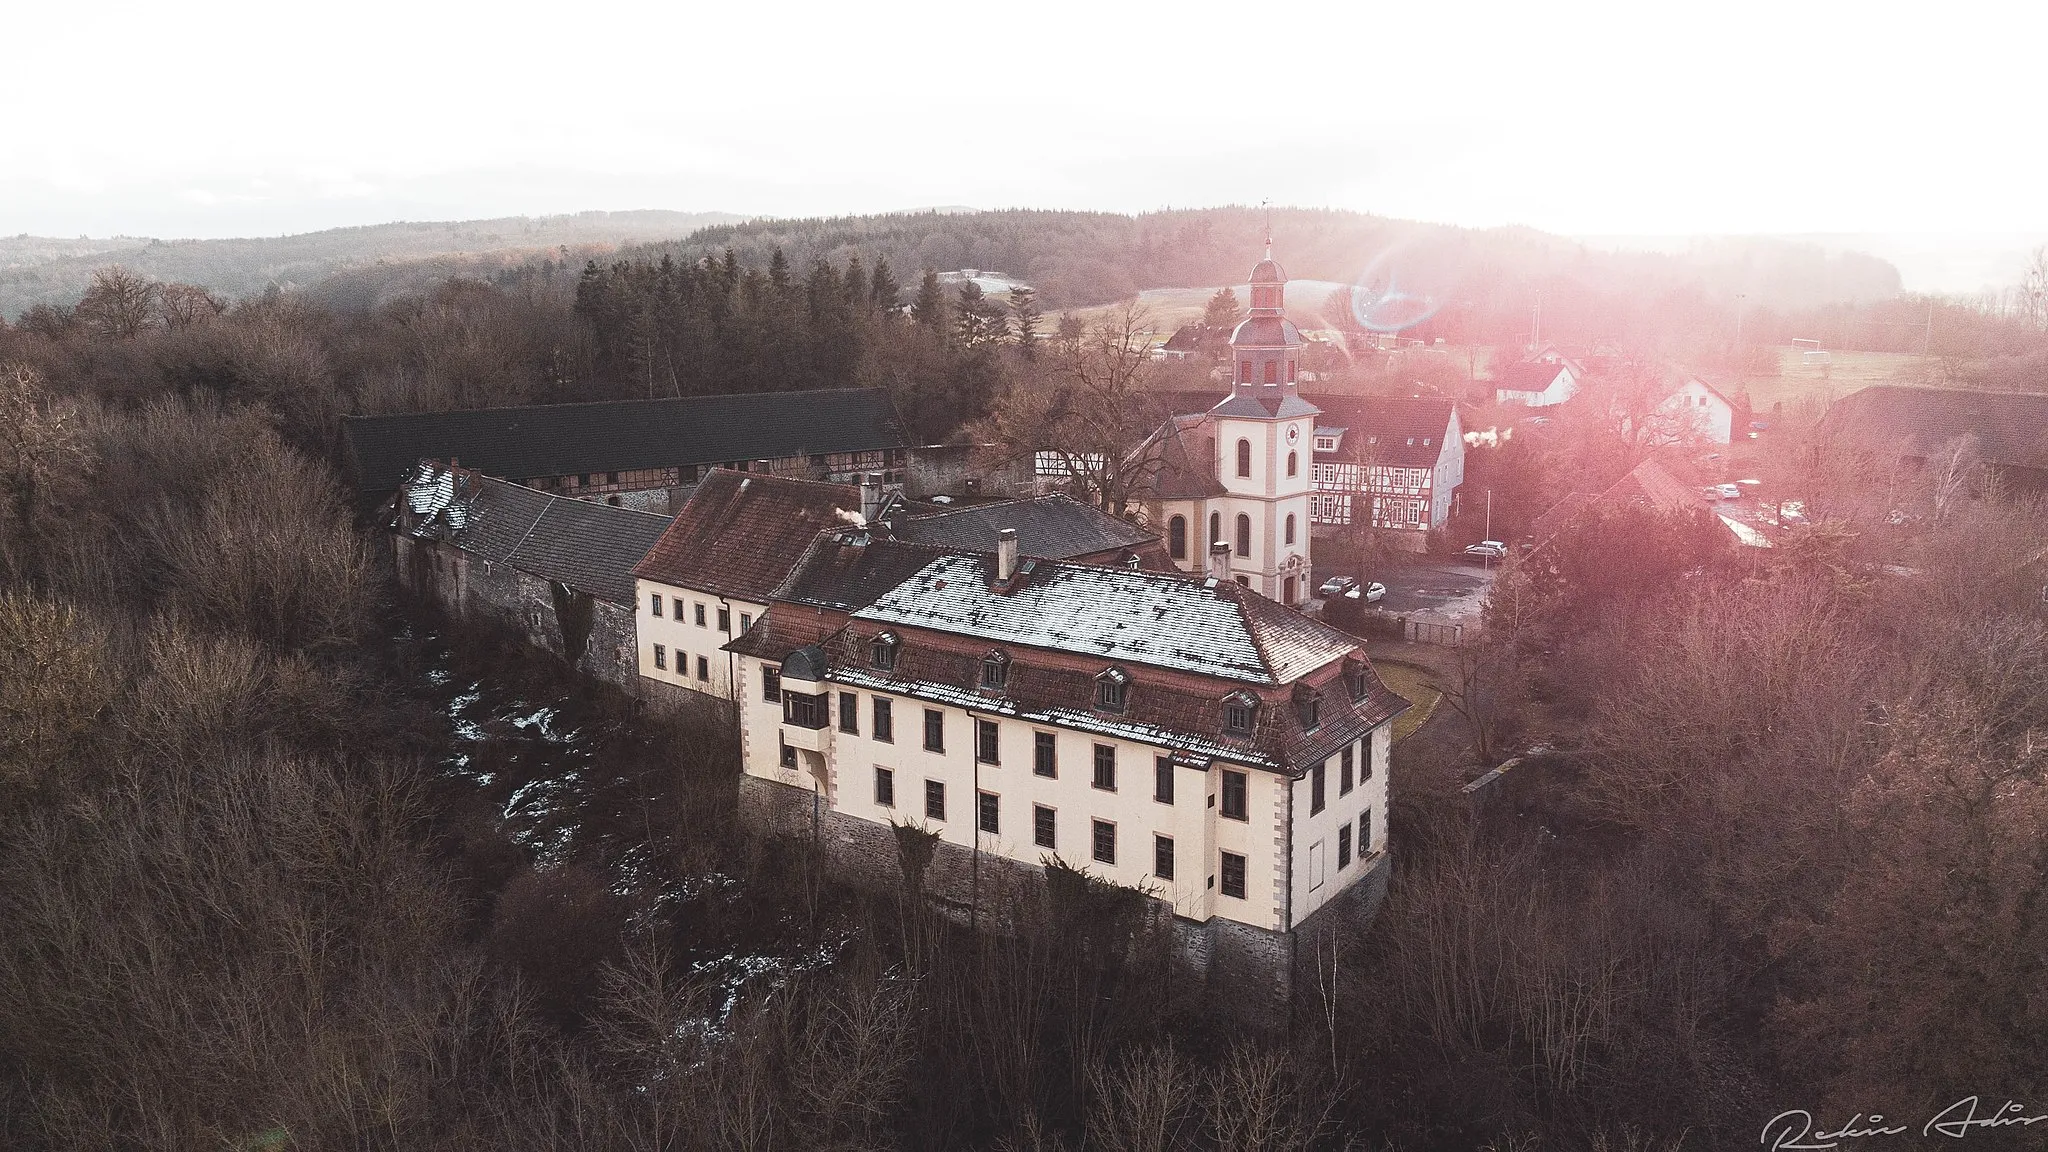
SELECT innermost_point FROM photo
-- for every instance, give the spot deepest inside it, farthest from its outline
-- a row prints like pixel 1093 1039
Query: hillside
pixel 40 270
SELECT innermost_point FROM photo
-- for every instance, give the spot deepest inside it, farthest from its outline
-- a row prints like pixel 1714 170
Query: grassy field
pixel 1841 374
pixel 1416 686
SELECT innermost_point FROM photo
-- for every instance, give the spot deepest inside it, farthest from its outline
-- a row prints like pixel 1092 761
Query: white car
pixel 1374 592
pixel 1730 492
pixel 1336 586
pixel 1486 550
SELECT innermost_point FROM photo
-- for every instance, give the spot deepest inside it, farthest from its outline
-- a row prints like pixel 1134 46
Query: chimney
pixel 1006 554
pixel 1219 561
pixel 870 496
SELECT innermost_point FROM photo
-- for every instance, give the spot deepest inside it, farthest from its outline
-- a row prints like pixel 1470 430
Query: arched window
pixel 1244 458
pixel 1272 371
pixel 1290 464
pixel 1215 527
pixel 1290 528
pixel 1244 534
pixel 1177 537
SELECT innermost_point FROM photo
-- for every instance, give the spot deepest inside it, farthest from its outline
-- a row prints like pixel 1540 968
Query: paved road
pixel 1447 591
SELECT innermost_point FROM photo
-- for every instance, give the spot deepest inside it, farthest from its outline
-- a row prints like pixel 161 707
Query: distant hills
pixel 42 270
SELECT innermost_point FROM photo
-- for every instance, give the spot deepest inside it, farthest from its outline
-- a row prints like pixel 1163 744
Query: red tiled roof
pixel 742 533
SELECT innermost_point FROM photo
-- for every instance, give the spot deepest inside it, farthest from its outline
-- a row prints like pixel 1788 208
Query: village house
pixel 1536 383
pixel 557 570
pixel 1388 462
pixel 1179 735
pixel 1695 412
pixel 646 454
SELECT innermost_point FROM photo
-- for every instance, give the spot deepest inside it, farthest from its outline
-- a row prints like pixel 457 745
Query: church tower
pixel 1265 433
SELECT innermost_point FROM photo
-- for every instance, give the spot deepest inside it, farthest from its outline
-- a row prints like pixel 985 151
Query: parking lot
pixel 1442 591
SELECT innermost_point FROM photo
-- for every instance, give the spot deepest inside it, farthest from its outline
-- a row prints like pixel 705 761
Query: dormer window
pixel 1355 679
pixel 882 653
pixel 1240 709
pixel 995 671
pixel 1112 690
pixel 1308 706
pixel 1326 443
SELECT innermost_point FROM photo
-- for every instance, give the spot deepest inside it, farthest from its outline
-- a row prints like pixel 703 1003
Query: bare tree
pixel 1143 1102
pixel 41 449
pixel 119 305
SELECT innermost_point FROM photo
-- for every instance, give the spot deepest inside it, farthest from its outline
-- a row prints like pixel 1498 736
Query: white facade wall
pixel 1318 877
pixel 1697 411
pixel 1450 472
pixel 683 641
pixel 843 774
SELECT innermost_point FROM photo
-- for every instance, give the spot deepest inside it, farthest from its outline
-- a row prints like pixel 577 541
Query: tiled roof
pixel 1186 449
pixel 843 571
pixel 2011 428
pixel 1157 619
pixel 1055 527
pixel 1526 376
pixel 1381 428
pixel 742 533
pixel 1264 402
pixel 615 436
pixel 589 547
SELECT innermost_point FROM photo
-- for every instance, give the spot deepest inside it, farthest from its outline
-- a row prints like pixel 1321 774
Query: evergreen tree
pixel 929 310
pixel 1024 317
pixel 882 287
pixel 1223 310
pixel 979 320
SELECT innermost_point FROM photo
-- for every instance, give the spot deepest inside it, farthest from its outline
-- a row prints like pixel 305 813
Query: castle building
pixel 1231 486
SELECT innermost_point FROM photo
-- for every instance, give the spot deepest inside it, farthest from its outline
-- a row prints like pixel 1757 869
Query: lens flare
pixel 1406 285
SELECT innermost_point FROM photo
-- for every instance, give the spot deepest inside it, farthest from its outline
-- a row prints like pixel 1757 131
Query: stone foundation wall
pixel 470 588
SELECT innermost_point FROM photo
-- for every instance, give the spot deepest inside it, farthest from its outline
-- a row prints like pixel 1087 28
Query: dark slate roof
pixel 844 571
pixel 615 436
pixel 1186 460
pixel 1526 376
pixel 1379 428
pixel 1056 527
pixel 1163 620
pixel 742 533
pixel 1261 402
pixel 1193 338
pixel 1265 332
pixel 589 547
pixel 2010 428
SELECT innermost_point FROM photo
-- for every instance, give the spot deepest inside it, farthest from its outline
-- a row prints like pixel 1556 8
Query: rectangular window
pixel 1105 767
pixel 985 747
pixel 788 752
pixel 885 787
pixel 1316 778
pixel 803 709
pixel 1105 842
pixel 771 684
pixel 988 812
pixel 1343 847
pixel 1042 826
pixel 934 730
pixel 885 722
pixel 703 668
pixel 1365 759
pixel 700 615
pixel 1234 789
pixel 1344 763
pixel 1233 875
pixel 1162 857
pixel 654 603
pixel 935 799
pixel 1162 779
pixel 1364 833
pixel 746 622
pixel 1044 757
pixel 849 712
pixel 661 657
pixel 725 619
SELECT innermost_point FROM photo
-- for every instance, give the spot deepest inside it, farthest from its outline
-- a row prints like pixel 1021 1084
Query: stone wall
pixel 951 470
pixel 593 636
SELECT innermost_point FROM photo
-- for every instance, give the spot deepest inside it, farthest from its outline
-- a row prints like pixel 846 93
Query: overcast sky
pixel 219 118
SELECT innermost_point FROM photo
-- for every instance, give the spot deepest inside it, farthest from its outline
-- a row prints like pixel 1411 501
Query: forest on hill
pixel 41 270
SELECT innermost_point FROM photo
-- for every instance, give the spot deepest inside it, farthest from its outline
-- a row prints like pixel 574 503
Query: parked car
pixel 1336 586
pixel 1374 592
pixel 1711 492
pixel 1730 492
pixel 1486 550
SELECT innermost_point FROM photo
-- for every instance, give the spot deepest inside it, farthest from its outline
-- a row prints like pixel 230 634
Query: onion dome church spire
pixel 1265 349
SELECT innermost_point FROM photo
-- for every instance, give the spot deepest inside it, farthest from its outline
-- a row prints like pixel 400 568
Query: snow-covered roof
pixel 1159 619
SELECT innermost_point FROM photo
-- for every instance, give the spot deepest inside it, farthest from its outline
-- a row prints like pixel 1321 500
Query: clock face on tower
pixel 1293 433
